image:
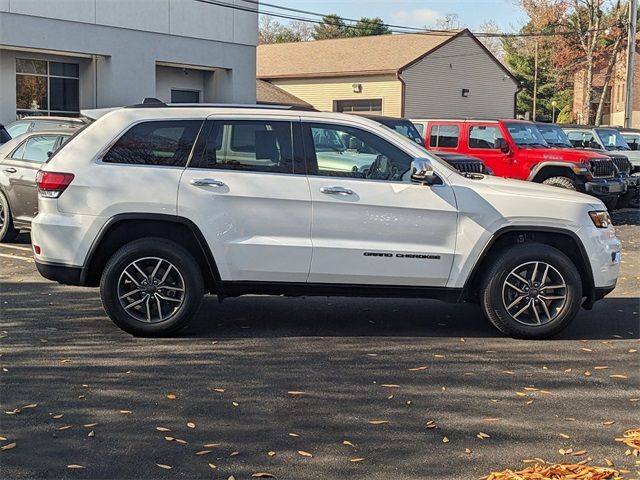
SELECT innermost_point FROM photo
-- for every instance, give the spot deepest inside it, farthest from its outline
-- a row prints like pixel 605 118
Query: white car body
pixel 282 229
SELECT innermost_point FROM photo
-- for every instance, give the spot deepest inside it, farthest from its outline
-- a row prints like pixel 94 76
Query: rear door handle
pixel 10 170
pixel 206 182
pixel 336 190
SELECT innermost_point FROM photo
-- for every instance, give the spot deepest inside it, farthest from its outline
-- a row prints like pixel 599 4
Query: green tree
pixel 368 26
pixel 331 26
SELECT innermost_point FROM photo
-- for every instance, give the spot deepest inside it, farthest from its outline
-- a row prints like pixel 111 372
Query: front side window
pixel 484 137
pixel 526 135
pixel 444 136
pixel 554 135
pixel 259 146
pixel 582 139
pixel 633 140
pixel 340 151
pixel 47 88
pixel 163 143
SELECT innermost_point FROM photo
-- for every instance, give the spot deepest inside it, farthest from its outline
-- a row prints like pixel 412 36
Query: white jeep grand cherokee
pixel 159 204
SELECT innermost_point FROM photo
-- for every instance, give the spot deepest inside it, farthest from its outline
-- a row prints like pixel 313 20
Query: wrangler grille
pixel 602 168
pixel 470 167
pixel 623 164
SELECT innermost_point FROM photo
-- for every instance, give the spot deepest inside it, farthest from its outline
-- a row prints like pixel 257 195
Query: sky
pixel 417 13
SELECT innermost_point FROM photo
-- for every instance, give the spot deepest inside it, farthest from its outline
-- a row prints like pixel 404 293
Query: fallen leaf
pixel 291 434
pixel 521 394
pixel 166 467
pixel 529 402
pixel 233 454
pixel 171 396
pixel 211 445
pixel 58 416
pixel 262 475
pixel 569 419
pixel 355 460
pixel 8 446
pixel 617 376
pixel 579 453
pixel 609 422
pixel 390 385
pixel 565 436
pixel 163 429
pixel 347 442
pixel 378 422
pixel 219 390
pixel 271 453
pixel 66 427
pixel 191 425
pixel 126 412
pixel 468 451
pixel 212 466
pixel 608 462
pixel 491 419
pixel 235 404
pixel 31 405
pixel 183 442
pixel 482 435
pixel 91 434
pixel 304 454
pixel 417 369
pixel 169 439
pixel 586 350
pixel 75 465
pixel 89 425
pixel 15 411
pixel 3 439
pixel 438 356
pixel 295 393
pixel 600 367
pixel 445 440
pixel 203 452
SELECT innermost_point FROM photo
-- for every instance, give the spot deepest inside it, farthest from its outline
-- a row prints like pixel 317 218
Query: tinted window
pixel 340 151
pixel 482 136
pixel 445 136
pixel 4 135
pixel 37 148
pixel 165 143
pixel 259 146
pixel 632 140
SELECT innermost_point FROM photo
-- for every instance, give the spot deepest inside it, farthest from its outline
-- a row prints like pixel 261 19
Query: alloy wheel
pixel 534 293
pixel 151 289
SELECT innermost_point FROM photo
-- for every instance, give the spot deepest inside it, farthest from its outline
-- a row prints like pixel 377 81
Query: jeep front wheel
pixel 151 287
pixel 531 291
pixel 562 182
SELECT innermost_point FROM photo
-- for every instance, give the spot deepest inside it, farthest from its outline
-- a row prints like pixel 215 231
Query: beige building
pixel 408 75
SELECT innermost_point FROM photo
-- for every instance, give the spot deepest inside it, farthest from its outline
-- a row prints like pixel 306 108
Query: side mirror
pixel 502 145
pixel 422 171
pixel 634 146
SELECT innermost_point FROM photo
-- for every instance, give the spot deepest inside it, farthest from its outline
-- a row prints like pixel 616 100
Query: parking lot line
pixel 17 257
pixel 15 247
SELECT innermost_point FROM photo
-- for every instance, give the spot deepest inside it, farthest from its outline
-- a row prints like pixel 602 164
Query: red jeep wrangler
pixel 516 149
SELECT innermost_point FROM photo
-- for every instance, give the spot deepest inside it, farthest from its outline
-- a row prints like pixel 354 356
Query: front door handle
pixel 336 190
pixel 10 170
pixel 206 182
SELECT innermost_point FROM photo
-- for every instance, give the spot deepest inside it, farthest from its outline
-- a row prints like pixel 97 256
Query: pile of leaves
pixel 631 438
pixel 556 472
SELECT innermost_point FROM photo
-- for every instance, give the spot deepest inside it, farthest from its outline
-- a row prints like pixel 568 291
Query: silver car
pixel 20 160
pixel 41 123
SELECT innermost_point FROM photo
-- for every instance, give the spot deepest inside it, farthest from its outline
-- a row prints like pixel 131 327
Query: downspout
pixel 403 92
pixel 95 81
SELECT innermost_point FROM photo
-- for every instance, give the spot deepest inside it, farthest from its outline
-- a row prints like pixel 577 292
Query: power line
pixel 392 28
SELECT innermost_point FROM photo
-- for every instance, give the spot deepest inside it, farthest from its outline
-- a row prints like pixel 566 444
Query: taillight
pixel 52 184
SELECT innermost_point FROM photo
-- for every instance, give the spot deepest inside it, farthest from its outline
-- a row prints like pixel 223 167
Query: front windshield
pixel 404 128
pixel 611 139
pixel 526 135
pixel 554 135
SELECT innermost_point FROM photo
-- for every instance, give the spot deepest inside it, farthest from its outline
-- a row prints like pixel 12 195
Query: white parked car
pixel 159 204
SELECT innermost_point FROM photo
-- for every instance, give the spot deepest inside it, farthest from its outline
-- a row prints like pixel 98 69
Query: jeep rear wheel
pixel 562 182
pixel 151 287
pixel 531 291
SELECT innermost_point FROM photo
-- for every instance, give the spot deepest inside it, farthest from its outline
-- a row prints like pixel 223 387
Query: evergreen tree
pixel 332 26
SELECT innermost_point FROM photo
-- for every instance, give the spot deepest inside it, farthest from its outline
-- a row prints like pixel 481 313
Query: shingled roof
pixel 269 94
pixel 381 54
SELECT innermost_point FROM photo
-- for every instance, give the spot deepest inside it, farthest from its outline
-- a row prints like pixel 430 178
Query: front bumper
pixel 605 187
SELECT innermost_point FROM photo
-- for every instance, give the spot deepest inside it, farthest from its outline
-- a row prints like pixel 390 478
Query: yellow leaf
pixel 212 466
pixel 2 439
pixel 58 416
pixel 235 404
pixel 171 396
pixel 66 427
pixel 183 442
pixel 609 422
pixel 564 435
pixel 378 422
pixel 295 392
pixel 586 350
pixel 262 475
pixel 347 442
pixel 191 425
pixel 390 385
pixel 163 429
pixel 508 372
pixel 126 412
pixel 31 405
pixel 211 445
pixel 166 467
pixel 271 453
pixel 355 460
pixel 219 390
pixel 89 425
pixel 529 402
pixel 438 356
pixel 617 376
pixel 293 434
pixel 233 454
pixel 600 367
pixel 445 440
pixel 491 419
pixel 203 452
pixel 75 465
pixel 8 446
pixel 418 369
pixel 169 439
pixel 569 419
pixel 521 394
pixel 608 462
pixel 304 454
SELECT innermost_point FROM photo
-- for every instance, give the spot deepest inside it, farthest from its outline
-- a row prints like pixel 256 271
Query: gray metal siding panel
pixel 434 84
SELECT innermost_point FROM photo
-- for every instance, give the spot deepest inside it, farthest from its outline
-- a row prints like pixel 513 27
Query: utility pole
pixel 631 50
pixel 535 79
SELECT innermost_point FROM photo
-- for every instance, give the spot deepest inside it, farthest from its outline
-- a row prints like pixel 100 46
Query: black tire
pixel 493 288
pixel 562 182
pixel 8 232
pixel 149 250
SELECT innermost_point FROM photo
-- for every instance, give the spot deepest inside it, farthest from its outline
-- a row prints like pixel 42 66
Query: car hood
pixel 632 155
pixel 533 191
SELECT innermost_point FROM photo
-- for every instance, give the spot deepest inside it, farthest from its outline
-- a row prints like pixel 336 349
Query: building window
pixel 47 88
pixel 185 96
pixel 359 106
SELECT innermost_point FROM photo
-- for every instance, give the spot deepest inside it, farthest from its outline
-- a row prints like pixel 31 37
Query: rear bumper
pixel 605 187
pixel 64 274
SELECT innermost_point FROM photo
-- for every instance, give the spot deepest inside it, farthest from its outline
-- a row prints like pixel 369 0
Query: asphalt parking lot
pixel 309 388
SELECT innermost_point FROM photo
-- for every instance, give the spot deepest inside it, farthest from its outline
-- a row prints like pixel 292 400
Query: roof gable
pixel 347 56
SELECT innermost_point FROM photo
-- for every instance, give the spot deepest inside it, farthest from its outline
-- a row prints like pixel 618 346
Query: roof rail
pixel 151 102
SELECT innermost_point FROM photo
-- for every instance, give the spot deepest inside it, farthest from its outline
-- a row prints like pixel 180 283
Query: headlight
pixel 600 218
pixel 580 169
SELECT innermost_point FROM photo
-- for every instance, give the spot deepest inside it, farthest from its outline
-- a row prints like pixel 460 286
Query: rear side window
pixel 444 136
pixel 163 143
pixel 481 136
pixel 255 146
